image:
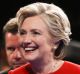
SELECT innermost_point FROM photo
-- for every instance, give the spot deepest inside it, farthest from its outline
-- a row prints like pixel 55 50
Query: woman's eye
pixel 22 32
pixel 38 33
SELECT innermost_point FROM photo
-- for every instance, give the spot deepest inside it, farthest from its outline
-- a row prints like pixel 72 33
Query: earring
pixel 55 47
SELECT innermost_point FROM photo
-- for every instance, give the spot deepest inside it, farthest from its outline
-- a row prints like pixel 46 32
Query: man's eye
pixel 11 48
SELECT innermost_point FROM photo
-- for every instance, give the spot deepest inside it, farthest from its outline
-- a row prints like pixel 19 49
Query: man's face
pixel 12 50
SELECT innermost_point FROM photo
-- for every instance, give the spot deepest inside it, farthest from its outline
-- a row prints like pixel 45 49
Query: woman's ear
pixel 60 45
pixel 56 44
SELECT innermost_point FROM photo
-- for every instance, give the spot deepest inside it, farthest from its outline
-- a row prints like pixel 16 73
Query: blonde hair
pixel 54 17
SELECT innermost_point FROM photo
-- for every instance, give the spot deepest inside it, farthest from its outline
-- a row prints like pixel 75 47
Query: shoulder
pixel 71 66
pixel 5 71
pixel 68 68
pixel 20 70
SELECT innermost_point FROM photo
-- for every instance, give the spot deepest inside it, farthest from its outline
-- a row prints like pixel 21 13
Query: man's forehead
pixel 8 34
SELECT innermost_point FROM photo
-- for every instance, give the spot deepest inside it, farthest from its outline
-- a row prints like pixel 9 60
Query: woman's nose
pixel 27 39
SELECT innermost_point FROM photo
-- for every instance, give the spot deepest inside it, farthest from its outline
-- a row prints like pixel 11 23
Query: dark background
pixel 8 9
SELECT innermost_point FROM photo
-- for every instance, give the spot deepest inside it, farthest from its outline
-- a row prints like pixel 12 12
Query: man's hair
pixel 11 26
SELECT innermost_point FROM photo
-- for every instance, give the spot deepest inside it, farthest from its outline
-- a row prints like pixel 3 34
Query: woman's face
pixel 35 38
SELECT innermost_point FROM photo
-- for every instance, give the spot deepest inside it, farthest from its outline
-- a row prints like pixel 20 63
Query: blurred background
pixel 8 8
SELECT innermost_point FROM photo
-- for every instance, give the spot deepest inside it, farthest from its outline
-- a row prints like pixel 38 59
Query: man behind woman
pixel 44 31
pixel 11 44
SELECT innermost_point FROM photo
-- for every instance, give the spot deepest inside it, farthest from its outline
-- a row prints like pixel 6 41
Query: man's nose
pixel 17 55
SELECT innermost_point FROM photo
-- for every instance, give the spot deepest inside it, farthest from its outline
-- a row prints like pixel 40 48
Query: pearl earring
pixel 54 47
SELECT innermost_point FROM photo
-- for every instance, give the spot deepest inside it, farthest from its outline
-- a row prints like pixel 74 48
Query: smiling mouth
pixel 28 47
pixel 31 49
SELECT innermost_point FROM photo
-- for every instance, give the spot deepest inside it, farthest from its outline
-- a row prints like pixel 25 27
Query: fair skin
pixel 37 45
pixel 12 50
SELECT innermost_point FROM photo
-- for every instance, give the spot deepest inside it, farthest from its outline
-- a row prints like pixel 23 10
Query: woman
pixel 44 31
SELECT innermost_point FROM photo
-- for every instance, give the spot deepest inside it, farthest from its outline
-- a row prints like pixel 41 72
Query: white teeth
pixel 27 49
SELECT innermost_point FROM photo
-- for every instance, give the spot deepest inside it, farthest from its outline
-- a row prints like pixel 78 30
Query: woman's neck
pixel 46 67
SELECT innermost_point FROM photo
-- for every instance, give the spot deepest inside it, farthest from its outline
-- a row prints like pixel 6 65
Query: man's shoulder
pixel 4 71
